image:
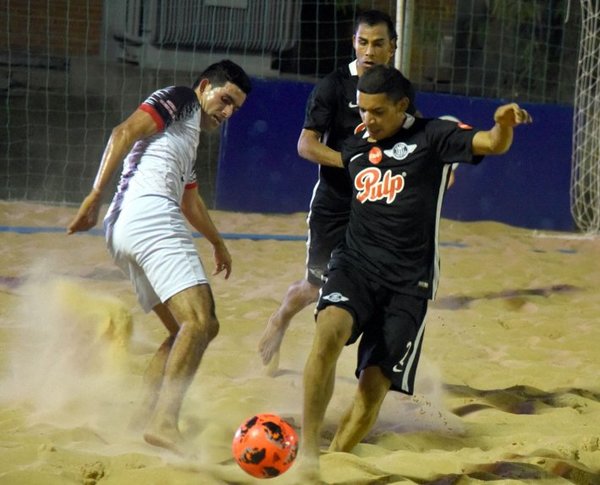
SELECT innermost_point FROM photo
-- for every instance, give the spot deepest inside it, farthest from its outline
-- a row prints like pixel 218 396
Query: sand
pixel 508 389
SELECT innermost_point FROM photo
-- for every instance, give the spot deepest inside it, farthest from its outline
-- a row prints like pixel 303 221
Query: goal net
pixel 585 174
pixel 71 70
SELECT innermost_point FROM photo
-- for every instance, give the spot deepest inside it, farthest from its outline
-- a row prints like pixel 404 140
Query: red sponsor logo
pixel 372 186
pixel 375 155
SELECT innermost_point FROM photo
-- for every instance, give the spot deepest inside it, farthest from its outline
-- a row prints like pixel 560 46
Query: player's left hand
pixel 222 259
pixel 510 115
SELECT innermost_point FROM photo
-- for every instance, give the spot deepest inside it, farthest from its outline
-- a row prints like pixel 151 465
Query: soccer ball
pixel 265 445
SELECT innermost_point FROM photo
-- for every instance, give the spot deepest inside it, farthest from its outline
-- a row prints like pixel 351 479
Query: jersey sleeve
pixel 169 104
pixel 453 142
pixel 192 181
pixel 321 106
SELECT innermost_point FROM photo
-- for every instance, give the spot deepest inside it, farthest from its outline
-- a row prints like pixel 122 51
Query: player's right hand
pixel 87 215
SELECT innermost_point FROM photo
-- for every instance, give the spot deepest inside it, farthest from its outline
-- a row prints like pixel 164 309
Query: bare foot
pixel 271 339
pixel 167 437
pixel 272 367
pixel 307 470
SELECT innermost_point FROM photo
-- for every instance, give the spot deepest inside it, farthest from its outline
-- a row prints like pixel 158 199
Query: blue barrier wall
pixel 260 171
pixel 529 185
pixel 259 167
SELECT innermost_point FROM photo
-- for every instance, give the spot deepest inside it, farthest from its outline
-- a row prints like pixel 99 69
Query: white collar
pixel 353 68
pixel 408 121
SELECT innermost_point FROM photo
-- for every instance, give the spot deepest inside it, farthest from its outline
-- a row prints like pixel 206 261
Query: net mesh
pixel 585 173
pixel 70 70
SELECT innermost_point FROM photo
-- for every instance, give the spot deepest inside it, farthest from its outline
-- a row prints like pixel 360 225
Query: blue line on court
pixel 231 235
pixel 100 232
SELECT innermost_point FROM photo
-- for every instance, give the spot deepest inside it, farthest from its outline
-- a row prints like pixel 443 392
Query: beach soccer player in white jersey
pixel 379 281
pixel 147 235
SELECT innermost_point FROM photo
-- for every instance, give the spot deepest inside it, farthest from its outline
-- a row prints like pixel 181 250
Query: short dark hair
pixel 225 71
pixel 376 17
pixel 383 79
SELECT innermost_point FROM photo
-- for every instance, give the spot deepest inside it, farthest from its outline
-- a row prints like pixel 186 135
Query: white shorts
pixel 150 242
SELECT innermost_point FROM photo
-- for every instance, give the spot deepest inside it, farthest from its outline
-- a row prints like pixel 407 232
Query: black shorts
pixel 391 324
pixel 324 235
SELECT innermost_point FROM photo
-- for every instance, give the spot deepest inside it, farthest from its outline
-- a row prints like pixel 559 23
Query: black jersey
pixel 331 110
pixel 398 188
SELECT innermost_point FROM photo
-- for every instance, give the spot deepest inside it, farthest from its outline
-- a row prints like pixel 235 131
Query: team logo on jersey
pixel 375 155
pixel 372 186
pixel 335 297
pixel 399 367
pixel 400 151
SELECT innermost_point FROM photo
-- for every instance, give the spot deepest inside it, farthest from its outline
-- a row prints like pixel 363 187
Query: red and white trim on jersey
pixel 163 164
pixel 160 123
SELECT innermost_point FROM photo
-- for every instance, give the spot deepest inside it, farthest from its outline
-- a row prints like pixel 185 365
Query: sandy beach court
pixel 508 391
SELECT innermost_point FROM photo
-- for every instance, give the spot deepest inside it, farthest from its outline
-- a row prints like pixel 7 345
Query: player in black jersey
pixel 380 279
pixel 331 116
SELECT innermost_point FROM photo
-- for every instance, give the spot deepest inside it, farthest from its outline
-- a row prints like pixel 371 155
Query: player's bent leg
pixel 154 373
pixel 194 311
pixel 333 329
pixel 166 317
pixel 362 414
pixel 299 295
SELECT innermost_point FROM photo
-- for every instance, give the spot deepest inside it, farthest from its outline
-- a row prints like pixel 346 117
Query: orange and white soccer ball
pixel 265 445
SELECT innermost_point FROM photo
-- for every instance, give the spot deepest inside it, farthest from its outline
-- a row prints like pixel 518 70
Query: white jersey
pixel 162 164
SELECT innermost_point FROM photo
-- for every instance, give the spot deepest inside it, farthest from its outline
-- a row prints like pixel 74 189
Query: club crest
pixel 400 151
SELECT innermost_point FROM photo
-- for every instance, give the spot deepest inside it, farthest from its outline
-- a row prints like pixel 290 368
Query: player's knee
pixel 373 386
pixel 204 329
pixel 301 294
pixel 204 324
pixel 312 292
pixel 334 326
pixel 212 327
pixel 309 291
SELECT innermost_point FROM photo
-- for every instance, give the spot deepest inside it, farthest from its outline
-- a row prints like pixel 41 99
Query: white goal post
pixel 585 174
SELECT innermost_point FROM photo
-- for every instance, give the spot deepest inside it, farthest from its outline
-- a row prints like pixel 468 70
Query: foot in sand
pixel 271 339
pixel 165 436
pixel 307 470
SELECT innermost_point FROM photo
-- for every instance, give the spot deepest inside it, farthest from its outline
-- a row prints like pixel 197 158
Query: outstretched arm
pixel 499 139
pixel 139 125
pixel 311 148
pixel 195 212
